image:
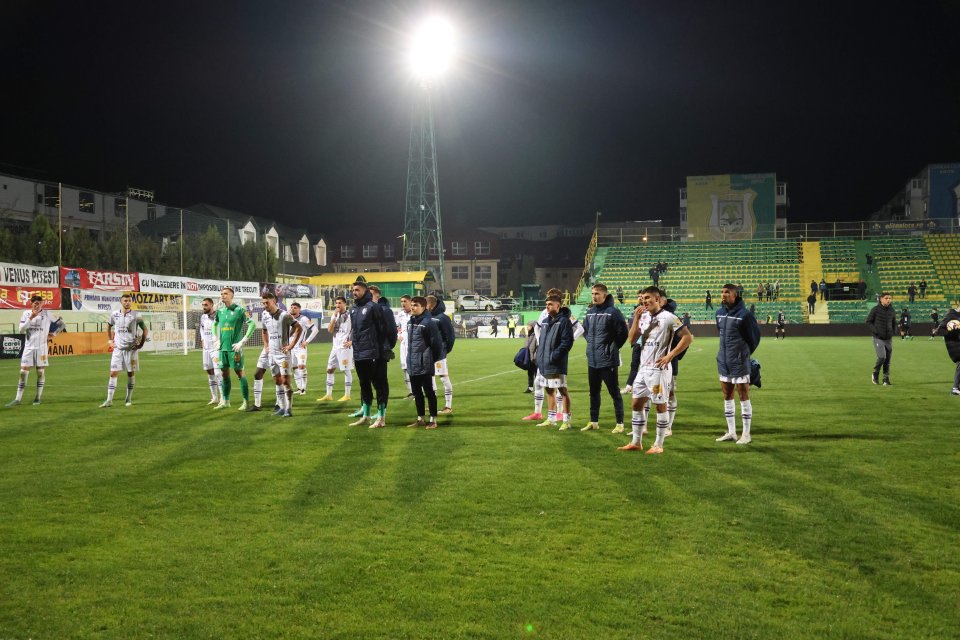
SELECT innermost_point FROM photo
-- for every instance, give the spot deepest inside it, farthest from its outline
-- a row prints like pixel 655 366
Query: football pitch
pixel 168 519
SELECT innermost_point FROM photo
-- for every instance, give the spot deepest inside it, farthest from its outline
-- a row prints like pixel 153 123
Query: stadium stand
pixel 944 253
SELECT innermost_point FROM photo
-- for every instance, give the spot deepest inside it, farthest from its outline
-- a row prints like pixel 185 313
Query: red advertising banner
pixel 19 297
pixel 98 280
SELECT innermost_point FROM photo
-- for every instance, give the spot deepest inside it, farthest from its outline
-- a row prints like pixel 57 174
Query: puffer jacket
pixel 951 339
pixel 447 334
pixel 882 321
pixel 556 340
pixel 739 338
pixel 605 330
pixel 424 345
pixel 366 329
pixel 389 324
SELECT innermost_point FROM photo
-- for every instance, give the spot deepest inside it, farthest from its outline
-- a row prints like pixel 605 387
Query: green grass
pixel 168 519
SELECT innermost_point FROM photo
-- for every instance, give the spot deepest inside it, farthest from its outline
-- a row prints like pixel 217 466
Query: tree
pixel 8 246
pixel 44 243
pixel 211 255
pixel 112 251
pixel 144 252
pixel 80 249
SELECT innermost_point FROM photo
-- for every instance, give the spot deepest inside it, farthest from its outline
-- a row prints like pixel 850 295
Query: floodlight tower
pixel 430 55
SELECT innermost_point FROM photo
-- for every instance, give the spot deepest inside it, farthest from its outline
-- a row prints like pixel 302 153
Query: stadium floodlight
pixel 432 49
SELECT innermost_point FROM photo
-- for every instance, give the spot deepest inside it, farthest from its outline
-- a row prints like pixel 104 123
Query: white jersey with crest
pixel 124 329
pixel 341 330
pixel 278 329
pixel 656 333
pixel 207 339
pixel 306 324
pixel 36 329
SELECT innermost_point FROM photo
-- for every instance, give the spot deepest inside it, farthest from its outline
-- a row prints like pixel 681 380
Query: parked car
pixel 509 304
pixel 477 303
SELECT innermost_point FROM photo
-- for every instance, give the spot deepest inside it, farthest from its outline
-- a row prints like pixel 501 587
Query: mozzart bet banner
pixel 176 285
pixel 98 280
pixel 105 301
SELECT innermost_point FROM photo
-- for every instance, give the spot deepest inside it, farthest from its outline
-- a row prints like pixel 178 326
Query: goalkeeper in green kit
pixel 231 323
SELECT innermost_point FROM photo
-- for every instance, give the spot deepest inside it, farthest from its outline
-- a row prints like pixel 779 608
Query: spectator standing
pixel 760 292
pixel 812 303
pixel 823 289
pixel 655 276
pixel 923 288
pixel 709 301
pixel 869 263
pixel 813 287
pixel 882 320
pixel 620 294
pixel 912 292
pixel 935 318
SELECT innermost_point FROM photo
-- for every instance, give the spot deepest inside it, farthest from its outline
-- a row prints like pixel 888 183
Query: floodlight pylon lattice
pixel 423 233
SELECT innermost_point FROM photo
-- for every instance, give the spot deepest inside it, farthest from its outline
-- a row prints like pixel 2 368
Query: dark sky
pixel 300 111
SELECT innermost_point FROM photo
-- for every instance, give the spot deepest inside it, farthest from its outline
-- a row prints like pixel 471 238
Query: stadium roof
pixel 344 278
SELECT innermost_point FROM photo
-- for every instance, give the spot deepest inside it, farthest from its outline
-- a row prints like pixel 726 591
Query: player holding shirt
pixel 232 323
pixel 280 333
pixel 211 350
pixel 122 331
pixel 655 376
pixel 36 323
pixel 299 362
pixel 341 355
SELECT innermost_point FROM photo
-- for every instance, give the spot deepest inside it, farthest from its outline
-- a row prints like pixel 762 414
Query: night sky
pixel 300 111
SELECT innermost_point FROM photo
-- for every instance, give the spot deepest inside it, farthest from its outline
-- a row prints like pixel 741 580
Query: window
pixel 433 251
pixel 481 248
pixel 151 211
pixel 51 195
pixel 481 272
pixel 369 251
pixel 459 248
pixel 86 202
pixel 346 251
pixel 683 193
pixel 388 251
pixel 119 207
pixel 460 272
pixel 781 189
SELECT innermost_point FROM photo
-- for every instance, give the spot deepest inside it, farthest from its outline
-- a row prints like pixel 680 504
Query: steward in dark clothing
pixel 882 321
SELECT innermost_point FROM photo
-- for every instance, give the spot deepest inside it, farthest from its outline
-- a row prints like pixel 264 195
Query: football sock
pixel 288 391
pixel 671 410
pixel 297 378
pixel 347 381
pixel 111 388
pixel 22 383
pixel 257 391
pixel 212 382
pixel 730 413
pixel 303 379
pixel 218 374
pixel 245 388
pixel 281 397
pixel 638 422
pixel 746 414
pixel 447 391
pixel 551 415
pixel 366 409
pixel 131 380
pixel 406 381
pixel 41 378
pixel 227 385
pixel 329 384
pixel 663 423
pixel 537 398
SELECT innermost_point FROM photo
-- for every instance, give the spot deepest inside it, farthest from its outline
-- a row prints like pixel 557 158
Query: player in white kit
pixel 122 331
pixel 656 329
pixel 403 317
pixel 39 326
pixel 280 333
pixel 299 353
pixel 210 345
pixel 341 355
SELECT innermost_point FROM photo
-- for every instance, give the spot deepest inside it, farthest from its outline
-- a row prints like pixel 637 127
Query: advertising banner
pixel 166 340
pixel 106 301
pixel 19 297
pixel 24 275
pixel 78 344
pixel 152 283
pixel 11 346
pixel 732 206
pixel 98 280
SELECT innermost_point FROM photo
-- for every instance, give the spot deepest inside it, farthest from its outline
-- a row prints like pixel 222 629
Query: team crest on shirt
pixel 363 311
pixel 344 362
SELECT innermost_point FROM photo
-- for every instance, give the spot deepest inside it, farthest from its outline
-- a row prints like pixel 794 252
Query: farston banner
pixel 19 275
pixel 153 283
pixel 99 280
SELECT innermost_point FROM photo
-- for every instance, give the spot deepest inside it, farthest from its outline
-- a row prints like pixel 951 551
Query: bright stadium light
pixel 432 48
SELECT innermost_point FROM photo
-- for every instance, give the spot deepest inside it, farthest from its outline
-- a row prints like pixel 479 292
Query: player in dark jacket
pixel 388 338
pixel 950 329
pixel 605 330
pixel 424 349
pixel 882 321
pixel 438 311
pixel 556 340
pixel 366 338
pixel 739 338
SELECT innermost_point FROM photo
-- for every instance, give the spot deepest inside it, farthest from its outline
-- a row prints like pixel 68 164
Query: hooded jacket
pixel 951 339
pixel 447 334
pixel 389 324
pixel 424 345
pixel 556 340
pixel 605 330
pixel 739 338
pixel 366 322
pixel 882 321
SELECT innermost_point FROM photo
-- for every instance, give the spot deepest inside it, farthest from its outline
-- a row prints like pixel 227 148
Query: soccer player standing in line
pixel 211 350
pixel 424 349
pixel 654 327
pixel 556 340
pixel 403 318
pixel 341 355
pixel 299 360
pixel 280 333
pixel 448 335
pixel 739 338
pixel 366 338
pixel 882 320
pixel 537 378
pixel 232 321
pixel 35 323
pixel 388 336
pixel 605 330
pixel 122 331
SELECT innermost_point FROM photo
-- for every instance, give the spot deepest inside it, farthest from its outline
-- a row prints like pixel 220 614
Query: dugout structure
pixel 393 284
